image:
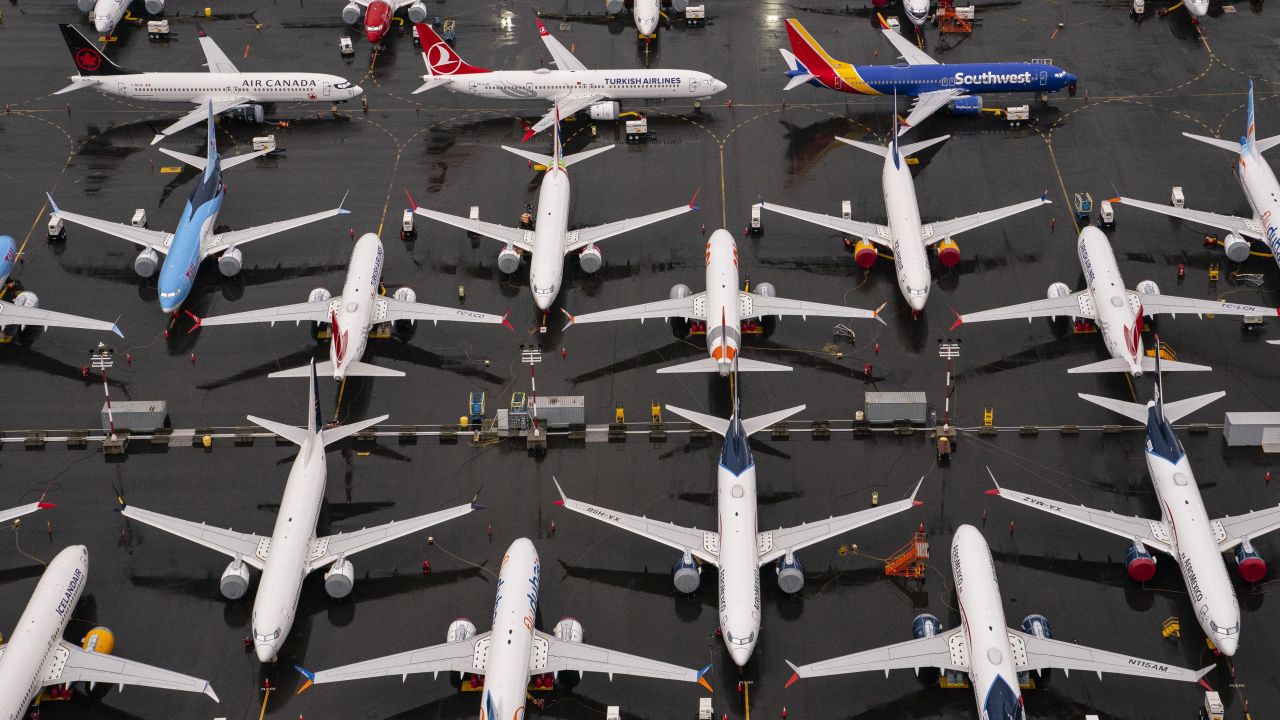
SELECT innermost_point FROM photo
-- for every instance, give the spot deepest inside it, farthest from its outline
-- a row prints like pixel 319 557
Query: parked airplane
pixel 507 666
pixel 194 240
pixel 905 235
pixel 735 547
pixel 14 513
pixel 917 11
pixel 571 85
pixel 106 14
pixel 1117 312
pixel 993 658
pixel 1184 530
pixel 723 308
pixel 1261 190
pixel 37 657
pixel 293 551
pixel 550 239
pixel 933 85
pixel 644 13
pixel 25 308
pixel 223 87
pixel 378 15
pixel 360 307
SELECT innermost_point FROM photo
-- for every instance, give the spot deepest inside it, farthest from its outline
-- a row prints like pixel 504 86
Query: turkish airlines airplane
pixel 378 15
pixel 984 647
pixel 25 310
pixel 106 14
pixel 36 656
pixel 526 652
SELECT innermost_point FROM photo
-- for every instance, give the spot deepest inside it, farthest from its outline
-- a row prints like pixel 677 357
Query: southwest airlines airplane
pixel 934 85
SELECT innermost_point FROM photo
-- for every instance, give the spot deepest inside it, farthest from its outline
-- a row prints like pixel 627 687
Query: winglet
pixel 995 490
pixel 571 319
pixel 563 497
pixel 876 313
pixel 343 201
pixel 702 678
pixel 542 29
pixel 412 204
pixel 795 675
pixel 692 206
pixel 46 505
pixel 120 503
pixel 1201 673
pixel 52 204
pixel 310 676
pixel 884 24
pixel 528 132
pixel 116 329
pixel 506 315
pixel 914 493
pixel 959 320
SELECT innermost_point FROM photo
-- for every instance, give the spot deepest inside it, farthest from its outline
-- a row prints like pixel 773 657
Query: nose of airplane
pixel 721 86
pixel 1226 644
pixel 740 655
pixel 102 25
pixel 265 652
pixel 917 302
pixel 357 91
pixel 168 309
pixel 543 301
pixel 646 26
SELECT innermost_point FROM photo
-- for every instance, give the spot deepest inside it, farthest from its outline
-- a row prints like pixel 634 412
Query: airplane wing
pixel 939 231
pixel 878 234
pixel 73 664
pixel 578 239
pixel 1043 653
pixel 692 307
pixel 153 239
pixel 223 241
pixel 1173 305
pixel 14 513
pixel 926 104
pixel 252 549
pixel 327 549
pixel 754 305
pixel 564 59
pixel 907 50
pixel 1248 526
pixel 1075 305
pixel 302 312
pixel 216 60
pixel 11 314
pixel 389 309
pixel 516 237
pixel 702 544
pixel 1247 227
pixel 201 113
pixel 568 106
pixel 773 545
pixel 1150 533
pixel 554 655
pixel 466 656
pixel 945 651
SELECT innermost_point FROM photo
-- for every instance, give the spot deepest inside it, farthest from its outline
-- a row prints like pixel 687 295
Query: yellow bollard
pixel 207 441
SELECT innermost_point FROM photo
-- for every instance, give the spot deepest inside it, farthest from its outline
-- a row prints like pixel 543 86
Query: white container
pixel 695 12
pixel 896 26
pixel 705 711
pixel 891 407
pixel 846 209
pixel 613 712
pixel 55 226
pixel 1017 113
pixel 1252 429
pixel 1213 709
pixel 406 221
pixel 1176 198
pixel 965 13
pixel 756 223
pixel 346 48
pixel 1139 7
pixel 1108 214
pixel 264 142
pixel 157 27
pixel 638 127
pixel 139 218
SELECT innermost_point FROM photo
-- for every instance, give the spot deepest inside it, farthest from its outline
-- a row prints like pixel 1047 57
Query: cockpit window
pixel 1224 630
pixel 267 637
pixel 750 638
pixel 343 85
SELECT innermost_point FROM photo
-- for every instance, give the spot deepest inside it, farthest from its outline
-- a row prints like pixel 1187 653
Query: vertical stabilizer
pixel 1251 130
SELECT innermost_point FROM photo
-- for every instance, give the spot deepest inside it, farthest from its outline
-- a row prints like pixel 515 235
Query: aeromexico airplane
pixel 934 85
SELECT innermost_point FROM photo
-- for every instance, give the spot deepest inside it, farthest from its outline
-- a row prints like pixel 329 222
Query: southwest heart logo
pixel 87 59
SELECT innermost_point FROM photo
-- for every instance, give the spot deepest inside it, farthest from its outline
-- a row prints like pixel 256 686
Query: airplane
pixel 17 512
pixel 934 85
pixel 917 11
pixel 906 236
pixel 359 308
pixel 223 86
pixel 993 658
pixel 37 657
pixel 25 308
pixel 1184 530
pixel 379 13
pixel 723 307
pixel 293 551
pixel 571 86
pixel 644 13
pixel 106 14
pixel 195 239
pixel 507 666
pixel 736 548
pixel 550 239
pixel 1261 190
pixel 1117 312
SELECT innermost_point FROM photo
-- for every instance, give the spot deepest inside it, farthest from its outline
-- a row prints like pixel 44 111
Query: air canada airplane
pixel 24 310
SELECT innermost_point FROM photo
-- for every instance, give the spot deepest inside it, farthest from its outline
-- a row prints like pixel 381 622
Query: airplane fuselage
pixel 8 256
pixel 351 316
pixel 556 85
pixel 194 231
pixel 917 11
pixel 739 576
pixel 1261 189
pixel 912 80
pixel 546 264
pixel 515 610
pixel 645 13
pixel 723 311
pixel 106 14
pixel 991 669
pixel 261 87
pixel 1118 316
pixel 910 258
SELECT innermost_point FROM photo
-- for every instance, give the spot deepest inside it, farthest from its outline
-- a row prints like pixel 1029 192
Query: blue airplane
pixel 194 240
pixel 932 84
pixel 25 309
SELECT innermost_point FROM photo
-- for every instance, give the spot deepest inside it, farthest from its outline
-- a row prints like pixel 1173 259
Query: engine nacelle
pixel 613 7
pixel 27 299
pixel 246 113
pixel 1038 625
pixel 1249 563
pixel 679 290
pixel 460 630
pixel 1236 247
pixel 417 13
pixel 607 110
pixel 1148 287
pixel 568 630
pixel 1140 564
pixel 679 325
pixel 1058 290
pixel 590 259
pixel 339 579
pixel 790 574
pixel 967 105
pixel 319 295
pixel 155 7
pixel 949 253
pixel 87 5
pixel 508 260
pixel 765 289
pixel 405 295
pixel 230 262
pixel 351 14
pixel 686 574
pixel 864 253
pixel 99 640
pixel 234 582
pixel 925 625
pixel 147 262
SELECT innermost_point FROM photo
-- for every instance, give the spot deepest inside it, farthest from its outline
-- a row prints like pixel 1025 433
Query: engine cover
pixel 508 260
pixel 613 7
pixel 27 299
pixel 417 13
pixel 351 14
pixel 146 263
pixel 1148 287
pixel 949 253
pixel 967 105
pixel 925 625
pixel 568 630
pixel 319 295
pixel 339 580
pixel 686 574
pixel 230 261
pixel 1058 290
pixel 790 574
pixel 459 630
pixel 1250 564
pixel 235 580
pixel 406 295
pixel 590 259
pixel 1236 247
pixel 607 110
pixel 1038 625
pixel 1139 563
pixel 864 253
pixel 155 7
pixel 99 640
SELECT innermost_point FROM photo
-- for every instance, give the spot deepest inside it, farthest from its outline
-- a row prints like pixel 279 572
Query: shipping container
pixel 136 415
pixel 891 407
pixel 1253 429
pixel 561 411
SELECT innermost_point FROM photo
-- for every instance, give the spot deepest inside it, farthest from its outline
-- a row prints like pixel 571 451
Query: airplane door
pixel 327 87
pixel 1044 78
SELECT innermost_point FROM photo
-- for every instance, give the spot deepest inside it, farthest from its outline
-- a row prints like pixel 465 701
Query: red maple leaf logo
pixel 87 59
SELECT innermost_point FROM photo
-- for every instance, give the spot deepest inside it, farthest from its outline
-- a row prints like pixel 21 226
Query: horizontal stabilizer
pixel 1266 144
pixel 912 148
pixel 1133 411
pixel 753 425
pixel 194 161
pixel 1178 409
pixel 355 369
pixel 1148 365
pixel 292 433
pixel 76 84
pixel 708 365
pixel 548 161
pixel 431 84
pixel 333 435
pixel 1231 145
pixel 880 150
pixel 717 425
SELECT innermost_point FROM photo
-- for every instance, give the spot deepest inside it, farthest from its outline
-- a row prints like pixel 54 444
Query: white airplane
pixel 1261 190
pixel 37 657
pixel 507 666
pixel 223 85
pixel 14 513
pixel 736 547
pixel 644 13
pixel 293 551
pixel 25 310
pixel 1117 311
pixel 917 11
pixel 550 239
pixel 906 236
pixel 106 14
pixel 571 85
pixel 723 307
pixel 995 657
pixel 1184 530
pixel 358 309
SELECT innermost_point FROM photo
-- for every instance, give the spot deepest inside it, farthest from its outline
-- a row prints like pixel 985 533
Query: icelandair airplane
pixel 932 84
pixel 378 15
pixel 224 87
pixel 25 309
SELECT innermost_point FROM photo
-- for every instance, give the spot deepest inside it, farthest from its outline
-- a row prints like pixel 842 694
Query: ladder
pixel 908 561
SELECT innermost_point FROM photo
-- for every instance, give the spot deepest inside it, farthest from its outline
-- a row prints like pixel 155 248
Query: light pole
pixel 102 358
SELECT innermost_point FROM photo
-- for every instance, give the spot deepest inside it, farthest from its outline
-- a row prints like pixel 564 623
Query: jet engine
pixel 405 295
pixel 146 263
pixel 509 260
pixel 686 574
pixel 339 579
pixel 99 640
pixel 766 289
pixel 1058 290
pixel 230 261
pixel 319 295
pixel 155 7
pixel 249 113
pixel 570 631
pixel 679 325
pixel 590 259
pixel 1038 625
pixel 1148 287
pixel 926 625
pixel 1140 564
pixel 460 630
pixel 607 110
pixel 967 105
pixel 1236 247
pixel 790 574
pixel 351 14
pixel 417 12
pixel 948 253
pixel 27 299
pixel 768 323
pixel 864 253
pixel 613 7
pixel 235 580
pixel 1249 563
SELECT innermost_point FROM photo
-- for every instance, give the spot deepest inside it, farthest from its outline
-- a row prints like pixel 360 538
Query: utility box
pixel 1252 429
pixel 406 222
pixel 1107 215
pixel 695 16
pixel 1139 7
pixel 884 408
pixel 1213 709
pixel 613 712
pixel 1176 198
pixel 56 228
pixel 894 25
pixel 346 48
pixel 705 711
pixel 561 411
pixel 966 12
pixel 846 209
pixel 157 30
pixel 1017 113
pixel 136 415
pixel 757 225
pixel 139 219
pixel 264 142
pixel 637 130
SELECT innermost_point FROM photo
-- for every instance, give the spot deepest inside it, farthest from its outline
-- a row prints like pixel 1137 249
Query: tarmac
pixel 1141 85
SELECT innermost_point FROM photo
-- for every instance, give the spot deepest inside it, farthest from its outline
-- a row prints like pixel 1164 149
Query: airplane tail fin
pixel 295 435
pixel 1251 133
pixel 557 149
pixel 440 58
pixel 807 55
pixel 314 422
pixel 211 156
pixel 89 60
